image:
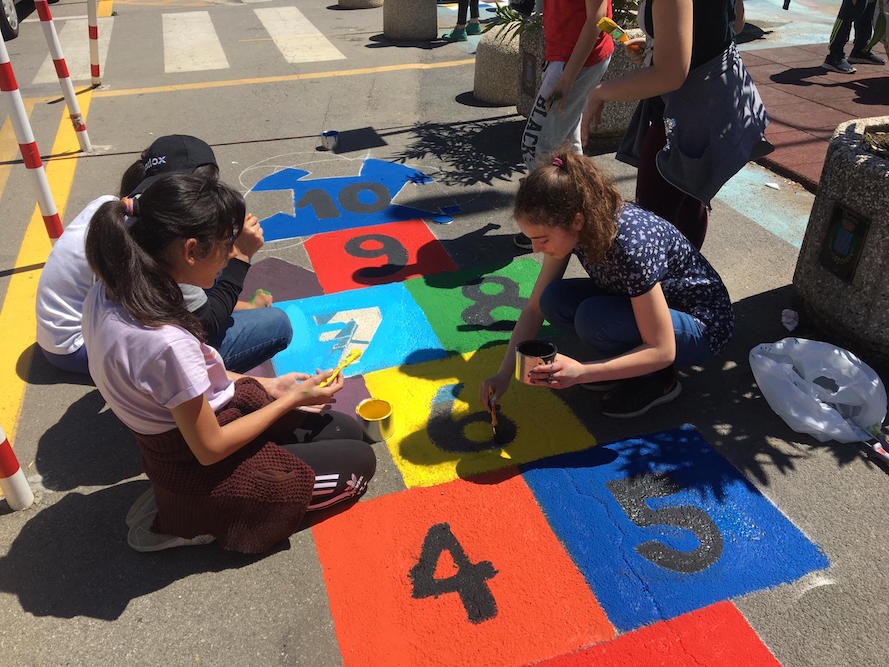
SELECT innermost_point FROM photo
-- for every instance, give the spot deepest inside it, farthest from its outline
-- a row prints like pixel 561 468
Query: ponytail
pixel 128 253
pixel 566 184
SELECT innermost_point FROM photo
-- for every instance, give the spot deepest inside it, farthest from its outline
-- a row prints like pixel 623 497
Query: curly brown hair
pixel 567 184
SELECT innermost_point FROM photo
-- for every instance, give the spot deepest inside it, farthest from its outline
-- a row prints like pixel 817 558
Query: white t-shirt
pixel 66 279
pixel 64 282
pixel 143 373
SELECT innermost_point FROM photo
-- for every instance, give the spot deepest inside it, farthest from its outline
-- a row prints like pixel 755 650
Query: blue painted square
pixel 661 525
pixel 344 202
pixel 384 322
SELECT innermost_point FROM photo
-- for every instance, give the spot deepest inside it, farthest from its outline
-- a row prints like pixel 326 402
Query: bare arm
pixel 657 351
pixel 673 27
pixel 526 327
pixel 210 442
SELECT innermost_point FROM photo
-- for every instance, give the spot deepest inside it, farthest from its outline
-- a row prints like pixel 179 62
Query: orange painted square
pixel 543 605
pixel 714 635
pixel 372 260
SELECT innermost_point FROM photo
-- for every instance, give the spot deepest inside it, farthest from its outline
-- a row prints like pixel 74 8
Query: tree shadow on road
pixel 483 151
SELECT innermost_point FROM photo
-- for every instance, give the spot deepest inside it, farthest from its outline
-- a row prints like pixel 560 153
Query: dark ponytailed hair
pixel 567 184
pixel 129 256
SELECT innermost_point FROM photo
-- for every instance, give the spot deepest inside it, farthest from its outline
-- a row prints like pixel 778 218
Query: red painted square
pixel 390 253
pixel 714 635
pixel 371 557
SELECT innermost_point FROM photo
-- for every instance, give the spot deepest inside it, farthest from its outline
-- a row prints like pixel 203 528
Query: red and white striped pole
pixel 12 480
pixel 58 59
pixel 27 145
pixel 92 12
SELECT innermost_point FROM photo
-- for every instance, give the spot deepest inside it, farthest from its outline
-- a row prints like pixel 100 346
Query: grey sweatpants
pixel 547 130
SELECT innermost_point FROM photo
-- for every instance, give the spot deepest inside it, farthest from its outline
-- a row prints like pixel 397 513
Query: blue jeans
pixel 253 336
pixel 76 362
pixel 607 324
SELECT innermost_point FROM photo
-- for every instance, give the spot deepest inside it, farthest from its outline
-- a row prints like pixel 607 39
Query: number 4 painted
pixel 470 580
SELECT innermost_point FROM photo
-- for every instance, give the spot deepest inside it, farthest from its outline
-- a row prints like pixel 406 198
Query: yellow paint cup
pixel 376 417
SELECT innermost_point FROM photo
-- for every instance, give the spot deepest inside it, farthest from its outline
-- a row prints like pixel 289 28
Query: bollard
pixel 92 11
pixel 12 480
pixel 27 145
pixel 58 59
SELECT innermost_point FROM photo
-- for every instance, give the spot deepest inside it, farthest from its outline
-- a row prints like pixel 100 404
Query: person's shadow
pixel 71 559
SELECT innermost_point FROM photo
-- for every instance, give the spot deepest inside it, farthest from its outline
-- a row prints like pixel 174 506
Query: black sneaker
pixel 637 396
pixel 522 241
pixel 840 65
pixel 866 58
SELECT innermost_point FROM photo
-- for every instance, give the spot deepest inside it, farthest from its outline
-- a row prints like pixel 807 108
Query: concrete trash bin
pixel 844 260
pixel 410 20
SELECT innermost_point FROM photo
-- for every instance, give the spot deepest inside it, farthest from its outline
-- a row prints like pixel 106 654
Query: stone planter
pixel 494 55
pixel 844 260
pixel 410 20
pixel 531 58
pixel 615 116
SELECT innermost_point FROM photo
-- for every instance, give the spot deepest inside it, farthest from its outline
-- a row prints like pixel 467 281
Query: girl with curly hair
pixel 651 301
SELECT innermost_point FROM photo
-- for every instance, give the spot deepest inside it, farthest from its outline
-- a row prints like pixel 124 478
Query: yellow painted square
pixel 544 425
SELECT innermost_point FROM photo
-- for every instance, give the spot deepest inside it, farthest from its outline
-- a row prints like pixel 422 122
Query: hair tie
pixel 132 206
pixel 559 162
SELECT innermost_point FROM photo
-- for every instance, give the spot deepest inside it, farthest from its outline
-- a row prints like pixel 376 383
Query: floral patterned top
pixel 649 250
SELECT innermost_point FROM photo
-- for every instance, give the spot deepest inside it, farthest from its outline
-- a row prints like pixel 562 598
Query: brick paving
pixel 806 103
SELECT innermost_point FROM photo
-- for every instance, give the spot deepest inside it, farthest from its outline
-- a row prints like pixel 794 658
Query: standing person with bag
pixel 234 459
pixel 577 55
pixel 701 118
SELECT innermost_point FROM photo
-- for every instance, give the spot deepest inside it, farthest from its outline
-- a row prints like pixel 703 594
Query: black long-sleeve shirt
pixel 221 299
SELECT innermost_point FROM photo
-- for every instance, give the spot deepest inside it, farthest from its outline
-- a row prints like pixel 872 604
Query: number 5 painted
pixel 632 492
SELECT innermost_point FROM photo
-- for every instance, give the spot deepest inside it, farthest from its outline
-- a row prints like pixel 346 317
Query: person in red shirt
pixel 577 55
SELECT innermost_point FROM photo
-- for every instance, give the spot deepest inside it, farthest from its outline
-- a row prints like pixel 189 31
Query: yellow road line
pixel 206 85
pixel 106 7
pixel 18 321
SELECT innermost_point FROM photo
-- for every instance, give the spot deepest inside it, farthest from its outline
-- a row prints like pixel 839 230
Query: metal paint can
pixel 329 139
pixel 375 415
pixel 532 353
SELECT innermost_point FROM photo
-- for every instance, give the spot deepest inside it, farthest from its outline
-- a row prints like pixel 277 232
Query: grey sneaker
pixel 840 65
pixel 866 58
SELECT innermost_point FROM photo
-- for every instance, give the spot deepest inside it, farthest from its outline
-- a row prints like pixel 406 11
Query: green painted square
pixel 469 310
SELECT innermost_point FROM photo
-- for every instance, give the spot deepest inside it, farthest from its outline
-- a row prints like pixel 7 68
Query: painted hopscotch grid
pixel 656 531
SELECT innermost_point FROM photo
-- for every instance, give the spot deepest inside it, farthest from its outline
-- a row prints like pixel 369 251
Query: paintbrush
pixel 492 407
pixel 345 361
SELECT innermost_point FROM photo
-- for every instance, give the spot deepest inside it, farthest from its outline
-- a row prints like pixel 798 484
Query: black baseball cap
pixel 173 152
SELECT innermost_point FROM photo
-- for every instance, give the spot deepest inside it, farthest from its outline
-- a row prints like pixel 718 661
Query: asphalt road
pixel 71 592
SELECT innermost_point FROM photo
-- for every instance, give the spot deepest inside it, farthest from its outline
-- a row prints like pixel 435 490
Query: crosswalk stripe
pixel 191 44
pixel 296 38
pixel 75 46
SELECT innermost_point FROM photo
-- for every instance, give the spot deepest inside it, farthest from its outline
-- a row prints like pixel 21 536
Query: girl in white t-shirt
pixel 239 460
